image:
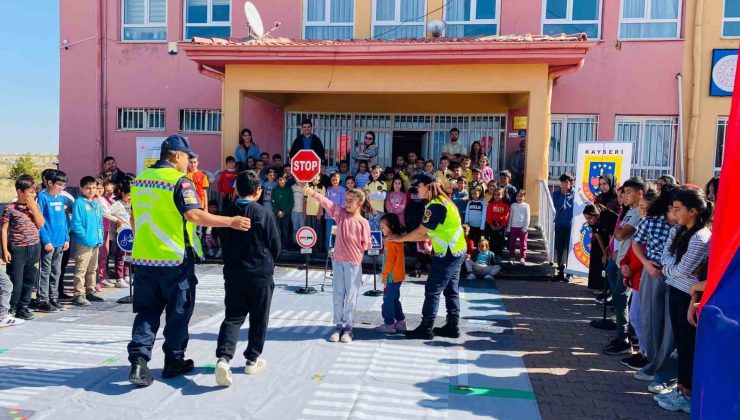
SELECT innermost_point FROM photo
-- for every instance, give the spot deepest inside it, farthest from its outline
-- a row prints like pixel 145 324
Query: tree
pixel 23 166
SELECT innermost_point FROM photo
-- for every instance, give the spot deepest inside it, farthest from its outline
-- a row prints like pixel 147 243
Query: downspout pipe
pixel 100 71
pixel 695 90
pixel 681 156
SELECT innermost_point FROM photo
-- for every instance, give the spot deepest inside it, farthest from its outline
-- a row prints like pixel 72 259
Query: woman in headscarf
pixel 608 195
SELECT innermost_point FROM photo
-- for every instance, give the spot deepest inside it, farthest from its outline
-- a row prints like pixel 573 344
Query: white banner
pixel 147 152
pixel 594 160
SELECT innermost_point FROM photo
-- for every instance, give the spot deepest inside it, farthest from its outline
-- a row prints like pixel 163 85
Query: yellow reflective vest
pixel 449 234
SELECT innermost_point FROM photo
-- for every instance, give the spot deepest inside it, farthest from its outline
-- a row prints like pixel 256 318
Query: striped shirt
pixel 683 275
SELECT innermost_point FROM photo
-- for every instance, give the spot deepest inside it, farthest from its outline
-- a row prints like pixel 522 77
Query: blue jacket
pixel 87 223
pixel 563 207
pixel 55 230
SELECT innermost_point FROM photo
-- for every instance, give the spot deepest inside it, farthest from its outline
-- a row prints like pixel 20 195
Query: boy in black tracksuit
pixel 249 262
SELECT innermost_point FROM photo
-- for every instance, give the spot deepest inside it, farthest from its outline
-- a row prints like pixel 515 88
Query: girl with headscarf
pixel 608 195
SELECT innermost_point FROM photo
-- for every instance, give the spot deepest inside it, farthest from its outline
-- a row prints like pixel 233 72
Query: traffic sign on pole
pixel 306 237
pixel 305 165
pixel 125 239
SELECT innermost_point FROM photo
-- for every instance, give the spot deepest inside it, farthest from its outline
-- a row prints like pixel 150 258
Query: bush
pixel 24 165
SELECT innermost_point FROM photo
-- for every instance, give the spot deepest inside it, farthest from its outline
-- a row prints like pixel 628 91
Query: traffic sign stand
pixel 130 298
pixel 376 244
pixel 306 239
pixel 375 292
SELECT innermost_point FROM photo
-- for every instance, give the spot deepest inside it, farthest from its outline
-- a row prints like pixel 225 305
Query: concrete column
pixel 231 106
pixel 538 141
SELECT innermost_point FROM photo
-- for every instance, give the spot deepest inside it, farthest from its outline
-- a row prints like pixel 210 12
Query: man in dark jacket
pixel 249 264
pixel 308 140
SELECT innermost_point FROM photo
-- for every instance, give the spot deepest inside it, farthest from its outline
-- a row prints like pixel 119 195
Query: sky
pixel 29 76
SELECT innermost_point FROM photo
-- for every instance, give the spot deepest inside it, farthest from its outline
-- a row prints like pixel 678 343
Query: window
pixel 396 19
pixel 328 19
pixel 144 20
pixel 200 120
pixel 649 19
pixel 140 119
pixel 572 16
pixel 207 18
pixel 566 131
pixel 731 19
pixel 719 151
pixel 654 139
pixel 471 18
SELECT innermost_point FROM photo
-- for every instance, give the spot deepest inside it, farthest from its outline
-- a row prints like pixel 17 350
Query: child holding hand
pixel 394 273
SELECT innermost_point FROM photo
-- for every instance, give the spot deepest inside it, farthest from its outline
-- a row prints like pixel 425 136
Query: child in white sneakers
pixel 352 240
pixel 6 289
pixel 394 272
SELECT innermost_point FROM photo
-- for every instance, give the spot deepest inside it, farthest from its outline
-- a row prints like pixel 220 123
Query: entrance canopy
pixel 493 75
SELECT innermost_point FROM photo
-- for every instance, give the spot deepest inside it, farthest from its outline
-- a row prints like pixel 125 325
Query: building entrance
pixel 408 141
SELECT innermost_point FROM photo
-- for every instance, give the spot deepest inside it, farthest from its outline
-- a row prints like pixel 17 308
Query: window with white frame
pixel 328 19
pixel 207 18
pixel 144 20
pixel 566 131
pixel 200 120
pixel 654 140
pixel 719 150
pixel 572 16
pixel 649 19
pixel 471 17
pixel 396 19
pixel 731 19
pixel 140 119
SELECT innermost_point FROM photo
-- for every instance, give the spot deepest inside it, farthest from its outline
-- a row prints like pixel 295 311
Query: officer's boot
pixel 176 367
pixel 140 375
pixel 423 331
pixel 451 328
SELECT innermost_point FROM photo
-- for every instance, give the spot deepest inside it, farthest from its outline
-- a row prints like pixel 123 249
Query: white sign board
pixel 147 152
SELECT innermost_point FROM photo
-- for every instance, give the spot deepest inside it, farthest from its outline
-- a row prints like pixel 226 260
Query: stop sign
pixel 305 165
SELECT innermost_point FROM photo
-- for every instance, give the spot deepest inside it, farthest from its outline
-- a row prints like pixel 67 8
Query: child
pixel 411 158
pixel 486 171
pixel 313 211
pixel 282 205
pixel 200 180
pixel 475 214
pixel 121 209
pixel 375 190
pixel 394 272
pixel 267 188
pixel 277 163
pixel 478 181
pixel 562 198
pixel 54 237
pixel 483 262
pixel 465 166
pixel 251 164
pixel 400 163
pixel 350 183
pixel 429 168
pixel 389 175
pixel 297 215
pixel 490 189
pixel 460 194
pixel 289 180
pixel 226 180
pixel 87 230
pixel 249 265
pixel 362 177
pixel 419 166
pixel 497 219
pixel 6 289
pixel 470 244
pixel 395 201
pixel 518 225
pixel 21 222
pixel 343 172
pixel 444 175
pixel 337 194
pixel 105 200
pixel 211 240
pixel 353 239
pixel 259 167
pixel 509 190
pixel 407 175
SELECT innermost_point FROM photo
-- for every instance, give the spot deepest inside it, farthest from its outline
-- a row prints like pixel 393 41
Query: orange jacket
pixel 394 269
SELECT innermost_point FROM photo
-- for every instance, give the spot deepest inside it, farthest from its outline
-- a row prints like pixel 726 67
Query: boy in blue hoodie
pixel 563 200
pixel 54 240
pixel 87 229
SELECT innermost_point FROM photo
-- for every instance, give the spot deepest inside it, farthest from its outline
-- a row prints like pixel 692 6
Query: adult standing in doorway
pixel 111 171
pixel 166 210
pixel 441 223
pixel 516 165
pixel 308 140
pixel 367 150
pixel 246 149
pixel 454 150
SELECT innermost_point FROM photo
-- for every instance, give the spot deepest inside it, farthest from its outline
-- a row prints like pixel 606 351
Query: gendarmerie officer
pixel 166 210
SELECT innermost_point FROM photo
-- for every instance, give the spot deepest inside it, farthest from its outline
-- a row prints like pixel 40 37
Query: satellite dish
pixel 254 21
pixel 436 27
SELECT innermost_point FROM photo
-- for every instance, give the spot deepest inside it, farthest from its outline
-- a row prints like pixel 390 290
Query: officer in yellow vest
pixel 441 223
pixel 166 210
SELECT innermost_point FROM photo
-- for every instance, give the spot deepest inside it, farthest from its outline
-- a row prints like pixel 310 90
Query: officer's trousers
pixel 158 289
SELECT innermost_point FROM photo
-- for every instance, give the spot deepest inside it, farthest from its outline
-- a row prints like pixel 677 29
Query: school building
pixel 643 71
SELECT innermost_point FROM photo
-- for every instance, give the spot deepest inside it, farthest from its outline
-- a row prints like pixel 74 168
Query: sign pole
pixel 375 292
pixel 306 239
pixel 376 244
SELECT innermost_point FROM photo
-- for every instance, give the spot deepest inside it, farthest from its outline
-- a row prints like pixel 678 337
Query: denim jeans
pixel 329 224
pixel 620 296
pixel 51 274
pixel 298 221
pixel 284 227
pixel 444 276
pixel 24 272
pixel 391 309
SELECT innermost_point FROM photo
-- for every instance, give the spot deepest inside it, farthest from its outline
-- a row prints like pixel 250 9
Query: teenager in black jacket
pixel 249 264
pixel 308 140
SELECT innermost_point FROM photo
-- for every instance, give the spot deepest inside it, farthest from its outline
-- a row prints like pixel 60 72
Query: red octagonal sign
pixel 305 165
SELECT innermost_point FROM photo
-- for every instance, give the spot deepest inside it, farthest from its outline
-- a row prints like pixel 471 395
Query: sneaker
pixel 677 402
pixel 80 301
pixel 334 337
pixel 46 307
pixel 496 269
pixel 470 277
pixel 401 326
pixel 33 304
pixel 121 284
pixel 127 279
pixel 176 367
pixel 24 314
pixel 223 373
pixel 661 388
pixel 637 361
pixel 140 375
pixel 618 346
pixel 56 304
pixel 10 321
pixel 255 367
pixel 107 283
pixel 346 336
pixel 671 394
pixel 521 261
pixel 642 376
pixel 218 254
pixel 92 297
pixel 386 328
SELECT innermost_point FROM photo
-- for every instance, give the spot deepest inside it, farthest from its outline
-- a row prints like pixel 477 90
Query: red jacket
pixel 497 213
pixel 226 181
pixel 634 263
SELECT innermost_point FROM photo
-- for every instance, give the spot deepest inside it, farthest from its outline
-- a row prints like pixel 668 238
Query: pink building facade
pixel 123 78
